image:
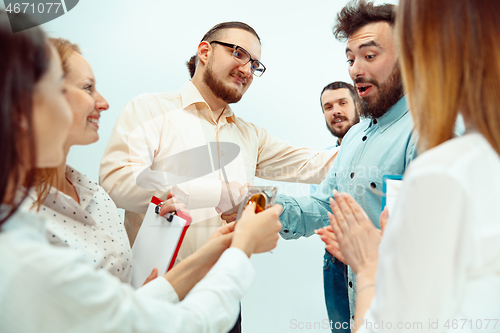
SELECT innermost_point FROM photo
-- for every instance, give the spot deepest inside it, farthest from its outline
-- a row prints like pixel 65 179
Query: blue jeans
pixel 336 294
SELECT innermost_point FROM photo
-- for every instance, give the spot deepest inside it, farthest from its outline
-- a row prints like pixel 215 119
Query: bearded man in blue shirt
pixel 381 144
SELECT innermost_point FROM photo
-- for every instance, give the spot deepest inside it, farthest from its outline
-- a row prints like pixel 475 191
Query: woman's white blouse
pixel 92 226
pixel 439 262
pixel 55 289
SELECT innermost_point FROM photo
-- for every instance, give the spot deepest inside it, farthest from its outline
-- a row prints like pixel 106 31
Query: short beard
pixel 218 88
pixel 340 134
pixel 389 94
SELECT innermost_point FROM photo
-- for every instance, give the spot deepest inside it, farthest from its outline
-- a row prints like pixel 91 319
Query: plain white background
pixel 141 46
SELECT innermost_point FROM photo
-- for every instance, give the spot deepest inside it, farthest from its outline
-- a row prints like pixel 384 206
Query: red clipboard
pixel 158 242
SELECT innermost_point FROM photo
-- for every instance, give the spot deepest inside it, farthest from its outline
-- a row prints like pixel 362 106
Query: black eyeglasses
pixel 243 57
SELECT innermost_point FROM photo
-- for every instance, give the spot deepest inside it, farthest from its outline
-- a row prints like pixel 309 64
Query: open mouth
pixel 339 120
pixel 364 90
pixel 93 121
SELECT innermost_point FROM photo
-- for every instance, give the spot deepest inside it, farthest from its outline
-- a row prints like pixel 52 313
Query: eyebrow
pixel 370 43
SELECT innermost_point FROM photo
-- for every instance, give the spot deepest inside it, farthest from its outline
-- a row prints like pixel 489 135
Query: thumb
pixel 249 209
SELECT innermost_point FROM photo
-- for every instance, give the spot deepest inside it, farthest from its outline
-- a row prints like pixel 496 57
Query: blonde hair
pixel 47 178
pixel 450 61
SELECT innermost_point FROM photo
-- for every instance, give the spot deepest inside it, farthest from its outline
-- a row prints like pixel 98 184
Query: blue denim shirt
pixel 313 187
pixel 370 150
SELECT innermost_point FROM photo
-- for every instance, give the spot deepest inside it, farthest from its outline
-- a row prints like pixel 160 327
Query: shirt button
pixel 352 174
pixel 364 138
pixel 373 185
pixel 222 153
pixel 286 231
pixel 350 284
pixel 375 121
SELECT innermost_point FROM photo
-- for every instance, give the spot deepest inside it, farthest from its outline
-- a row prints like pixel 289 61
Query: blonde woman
pixel 438 265
pixel 80 212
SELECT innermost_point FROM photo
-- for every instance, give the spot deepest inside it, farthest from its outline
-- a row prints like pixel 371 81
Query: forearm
pixel 365 292
pixel 297 165
pixel 301 216
pixel 185 275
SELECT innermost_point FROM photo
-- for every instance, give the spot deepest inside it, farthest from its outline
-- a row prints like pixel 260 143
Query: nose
pixel 246 69
pixel 100 103
pixel 356 70
pixel 337 110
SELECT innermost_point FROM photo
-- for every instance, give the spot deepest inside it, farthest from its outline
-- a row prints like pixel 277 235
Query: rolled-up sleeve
pixel 301 216
pixel 279 160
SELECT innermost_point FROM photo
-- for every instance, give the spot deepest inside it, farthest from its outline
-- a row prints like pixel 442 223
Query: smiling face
pixel 225 76
pixel 373 67
pixel 339 111
pixel 86 103
pixel 51 115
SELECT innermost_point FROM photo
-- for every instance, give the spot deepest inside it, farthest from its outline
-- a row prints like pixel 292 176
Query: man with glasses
pixel 191 144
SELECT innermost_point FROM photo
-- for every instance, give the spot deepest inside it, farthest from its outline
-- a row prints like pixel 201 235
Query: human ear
pixel 204 51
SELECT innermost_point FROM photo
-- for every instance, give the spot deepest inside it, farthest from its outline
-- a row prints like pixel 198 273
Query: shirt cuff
pixel 199 193
pixel 159 289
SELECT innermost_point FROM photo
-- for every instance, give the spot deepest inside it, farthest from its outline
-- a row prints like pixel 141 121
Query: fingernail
pixel 335 193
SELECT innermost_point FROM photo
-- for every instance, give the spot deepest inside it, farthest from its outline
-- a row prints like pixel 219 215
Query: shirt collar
pixel 190 95
pixel 397 111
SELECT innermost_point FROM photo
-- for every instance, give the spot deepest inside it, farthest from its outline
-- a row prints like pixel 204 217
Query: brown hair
pixel 25 58
pixel 47 178
pixel 450 56
pixel 358 13
pixel 214 34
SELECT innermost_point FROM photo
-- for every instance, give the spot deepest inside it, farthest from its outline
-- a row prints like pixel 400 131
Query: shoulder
pixel 458 158
pixel 160 101
pixel 151 97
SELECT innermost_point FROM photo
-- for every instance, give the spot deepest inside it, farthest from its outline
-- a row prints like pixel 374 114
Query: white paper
pixel 155 245
pixel 393 186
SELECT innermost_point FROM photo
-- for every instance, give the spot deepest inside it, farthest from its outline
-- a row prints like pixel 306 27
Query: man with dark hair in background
pixel 339 105
pixel 190 143
pixel 338 102
pixel 381 144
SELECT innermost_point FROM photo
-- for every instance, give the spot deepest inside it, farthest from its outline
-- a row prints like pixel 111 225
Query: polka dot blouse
pixel 92 226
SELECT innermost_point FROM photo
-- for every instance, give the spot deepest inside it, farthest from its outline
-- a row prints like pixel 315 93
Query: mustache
pixel 338 118
pixel 241 77
pixel 365 80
